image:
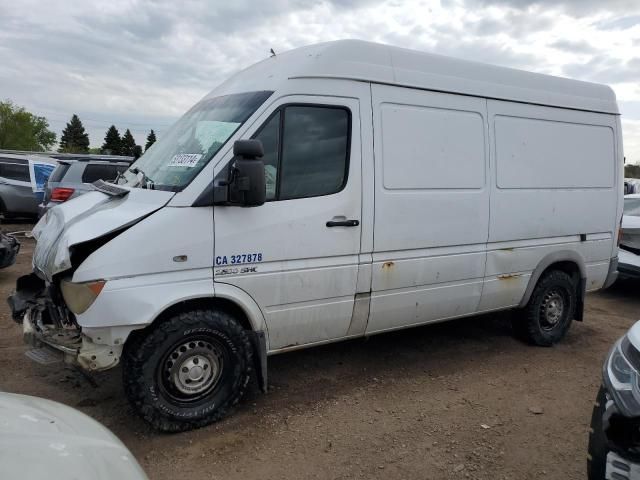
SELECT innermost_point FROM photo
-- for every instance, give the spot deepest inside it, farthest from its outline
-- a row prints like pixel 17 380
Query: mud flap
pixel 259 342
pixel 582 290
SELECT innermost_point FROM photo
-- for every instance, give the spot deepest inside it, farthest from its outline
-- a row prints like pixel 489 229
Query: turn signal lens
pixel 80 296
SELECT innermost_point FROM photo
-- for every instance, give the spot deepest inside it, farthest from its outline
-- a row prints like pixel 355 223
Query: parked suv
pixel 22 178
pixel 74 175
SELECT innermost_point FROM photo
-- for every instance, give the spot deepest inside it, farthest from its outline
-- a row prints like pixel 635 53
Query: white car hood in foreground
pixel 41 439
pixel 85 218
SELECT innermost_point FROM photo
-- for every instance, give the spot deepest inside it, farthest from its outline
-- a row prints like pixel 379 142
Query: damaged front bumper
pixel 46 324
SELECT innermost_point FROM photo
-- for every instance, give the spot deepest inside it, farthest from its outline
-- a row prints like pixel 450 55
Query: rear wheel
pixel 188 370
pixel 551 308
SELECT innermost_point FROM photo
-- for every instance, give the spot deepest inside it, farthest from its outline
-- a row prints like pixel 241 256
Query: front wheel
pixel 551 308
pixel 187 370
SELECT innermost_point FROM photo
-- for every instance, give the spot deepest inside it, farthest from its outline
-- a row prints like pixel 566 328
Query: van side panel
pixel 431 206
pixel 554 177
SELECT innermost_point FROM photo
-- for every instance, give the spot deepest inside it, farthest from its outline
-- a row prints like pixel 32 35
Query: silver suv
pixel 74 175
pixel 22 178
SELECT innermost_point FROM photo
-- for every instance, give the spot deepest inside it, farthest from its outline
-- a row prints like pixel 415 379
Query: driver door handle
pixel 343 223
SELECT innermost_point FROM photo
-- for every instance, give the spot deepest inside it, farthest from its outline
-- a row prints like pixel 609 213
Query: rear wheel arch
pixel 568 261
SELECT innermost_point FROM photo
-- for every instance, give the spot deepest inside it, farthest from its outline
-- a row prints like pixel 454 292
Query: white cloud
pixel 140 63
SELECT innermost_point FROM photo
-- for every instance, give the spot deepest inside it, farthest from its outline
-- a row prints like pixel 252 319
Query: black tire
pixel 598 449
pixel 550 311
pixel 211 344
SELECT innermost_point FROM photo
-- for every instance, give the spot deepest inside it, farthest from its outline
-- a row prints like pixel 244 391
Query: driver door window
pixel 306 151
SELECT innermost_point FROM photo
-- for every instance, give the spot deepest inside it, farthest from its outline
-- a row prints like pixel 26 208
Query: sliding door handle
pixel 343 223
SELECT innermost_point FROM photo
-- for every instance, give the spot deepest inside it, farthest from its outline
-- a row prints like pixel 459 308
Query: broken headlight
pixel 621 377
pixel 80 296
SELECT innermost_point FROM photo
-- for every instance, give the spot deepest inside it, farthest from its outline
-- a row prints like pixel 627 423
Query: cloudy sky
pixel 141 63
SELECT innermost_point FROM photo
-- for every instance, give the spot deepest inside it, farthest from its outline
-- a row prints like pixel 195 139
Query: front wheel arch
pixel 239 311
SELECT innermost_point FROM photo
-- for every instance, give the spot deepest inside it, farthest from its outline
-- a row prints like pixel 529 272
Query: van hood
pixel 44 439
pixel 90 216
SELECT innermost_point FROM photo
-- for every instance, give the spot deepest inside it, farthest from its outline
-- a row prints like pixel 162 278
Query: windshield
pixel 181 153
pixel 632 207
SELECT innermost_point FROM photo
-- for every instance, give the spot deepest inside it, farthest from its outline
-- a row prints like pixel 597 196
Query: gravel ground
pixel 461 399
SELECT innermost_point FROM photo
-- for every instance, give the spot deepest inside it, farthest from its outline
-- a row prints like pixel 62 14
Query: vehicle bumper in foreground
pixel 628 264
pixel 619 468
pixel 617 411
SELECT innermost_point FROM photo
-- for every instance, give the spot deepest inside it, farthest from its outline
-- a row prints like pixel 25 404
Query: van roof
pixel 377 63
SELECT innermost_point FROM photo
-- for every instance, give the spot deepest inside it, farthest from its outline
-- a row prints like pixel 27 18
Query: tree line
pixel 22 130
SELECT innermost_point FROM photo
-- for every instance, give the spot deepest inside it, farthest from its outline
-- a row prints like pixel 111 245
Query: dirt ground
pixel 456 400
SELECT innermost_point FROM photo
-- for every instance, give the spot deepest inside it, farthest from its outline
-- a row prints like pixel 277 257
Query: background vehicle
pixel 614 439
pixel 74 175
pixel 631 185
pixel 43 439
pixel 22 179
pixel 335 191
pixel 629 253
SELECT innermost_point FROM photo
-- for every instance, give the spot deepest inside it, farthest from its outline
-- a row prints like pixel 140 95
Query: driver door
pixel 297 255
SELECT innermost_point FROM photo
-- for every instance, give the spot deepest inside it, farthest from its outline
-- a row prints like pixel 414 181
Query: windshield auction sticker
pixel 185 160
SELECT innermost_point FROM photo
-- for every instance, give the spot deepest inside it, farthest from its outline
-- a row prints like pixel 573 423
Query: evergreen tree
pixel 151 139
pixel 128 144
pixel 112 142
pixel 74 138
pixel 137 152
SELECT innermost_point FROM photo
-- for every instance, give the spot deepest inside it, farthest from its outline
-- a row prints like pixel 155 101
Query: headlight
pixel 80 296
pixel 622 379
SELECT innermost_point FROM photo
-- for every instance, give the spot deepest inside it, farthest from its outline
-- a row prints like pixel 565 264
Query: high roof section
pixel 372 62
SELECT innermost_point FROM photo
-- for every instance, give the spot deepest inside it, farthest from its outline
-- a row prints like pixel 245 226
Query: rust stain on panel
pixel 387 265
pixel 508 276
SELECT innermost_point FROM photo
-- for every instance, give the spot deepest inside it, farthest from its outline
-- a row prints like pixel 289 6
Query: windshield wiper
pixel 145 182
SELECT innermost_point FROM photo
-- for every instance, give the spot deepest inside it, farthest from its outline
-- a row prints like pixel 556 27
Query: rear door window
pixel 95 171
pixel 13 171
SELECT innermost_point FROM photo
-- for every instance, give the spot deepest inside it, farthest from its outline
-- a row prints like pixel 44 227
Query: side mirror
pixel 245 185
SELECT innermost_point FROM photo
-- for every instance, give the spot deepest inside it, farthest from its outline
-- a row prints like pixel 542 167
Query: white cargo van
pixel 331 192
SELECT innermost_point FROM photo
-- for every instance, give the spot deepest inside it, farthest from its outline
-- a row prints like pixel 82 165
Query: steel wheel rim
pixel 191 370
pixel 552 309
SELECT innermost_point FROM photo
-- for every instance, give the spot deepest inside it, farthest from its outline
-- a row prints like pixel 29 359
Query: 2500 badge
pixel 239 259
pixel 235 270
